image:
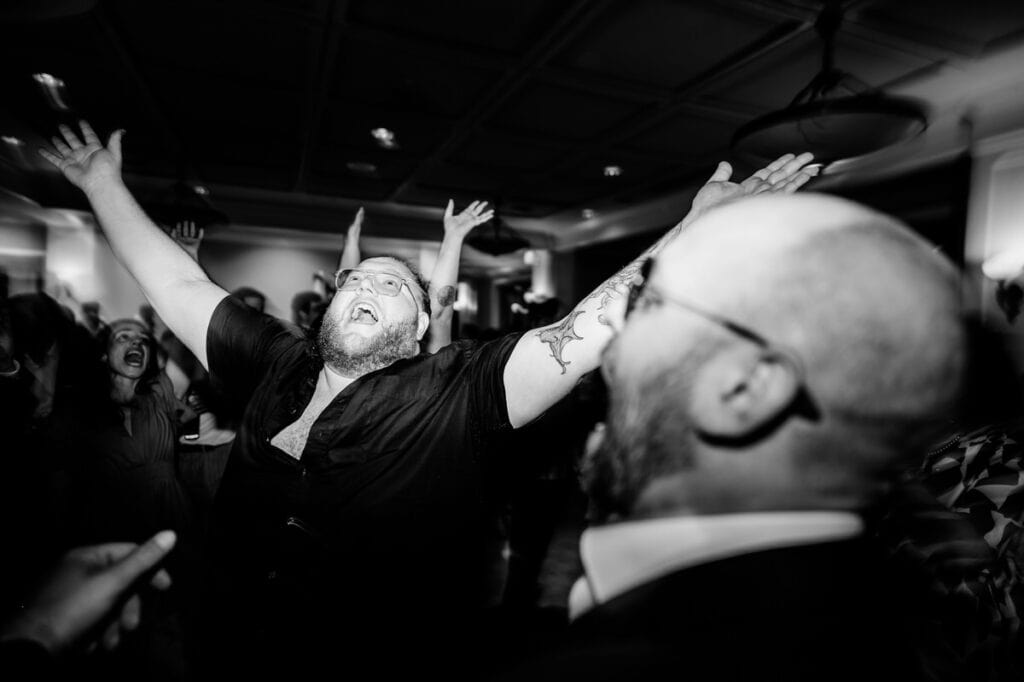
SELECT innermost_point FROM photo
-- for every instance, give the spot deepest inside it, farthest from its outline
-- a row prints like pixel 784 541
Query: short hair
pixel 424 296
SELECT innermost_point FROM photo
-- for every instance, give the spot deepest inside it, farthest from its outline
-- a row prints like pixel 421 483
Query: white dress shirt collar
pixel 621 556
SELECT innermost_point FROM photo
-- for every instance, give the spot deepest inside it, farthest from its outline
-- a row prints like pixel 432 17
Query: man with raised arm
pixel 359 494
pixel 443 283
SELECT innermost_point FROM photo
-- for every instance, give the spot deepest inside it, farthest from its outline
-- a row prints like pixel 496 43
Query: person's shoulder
pixel 236 325
pixel 470 348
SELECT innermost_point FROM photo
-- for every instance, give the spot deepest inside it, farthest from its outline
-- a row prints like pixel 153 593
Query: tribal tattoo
pixel 558 336
pixel 446 296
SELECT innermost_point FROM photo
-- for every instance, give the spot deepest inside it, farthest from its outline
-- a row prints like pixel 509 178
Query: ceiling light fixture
pixel 201 190
pixel 496 237
pixel 836 116
pixel 385 137
pixel 612 171
pixel 588 214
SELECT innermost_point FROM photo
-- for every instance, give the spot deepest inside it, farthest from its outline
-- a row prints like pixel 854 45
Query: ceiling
pixel 269 103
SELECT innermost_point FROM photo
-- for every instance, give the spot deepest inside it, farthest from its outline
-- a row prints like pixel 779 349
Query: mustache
pixel 394 342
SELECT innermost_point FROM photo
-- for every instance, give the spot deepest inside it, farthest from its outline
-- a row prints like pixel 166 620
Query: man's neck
pixel 333 382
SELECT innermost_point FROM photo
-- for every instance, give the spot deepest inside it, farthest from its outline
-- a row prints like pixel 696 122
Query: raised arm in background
pixel 547 362
pixel 180 292
pixel 188 237
pixel 351 255
pixel 444 280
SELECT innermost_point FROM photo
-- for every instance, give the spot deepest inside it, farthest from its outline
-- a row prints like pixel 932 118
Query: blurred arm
pixel 172 281
pixel 547 362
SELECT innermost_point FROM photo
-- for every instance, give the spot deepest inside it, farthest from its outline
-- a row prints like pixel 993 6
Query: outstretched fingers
pixel 114 143
pixel 142 559
pixel 774 166
pixel 88 134
pixel 798 181
pixel 61 147
pixel 788 170
pixel 50 157
pixel 70 137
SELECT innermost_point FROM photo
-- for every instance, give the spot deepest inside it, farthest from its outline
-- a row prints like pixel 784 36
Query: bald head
pixel 862 322
pixel 870 308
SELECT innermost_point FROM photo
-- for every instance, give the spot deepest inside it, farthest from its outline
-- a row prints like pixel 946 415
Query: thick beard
pixel 394 342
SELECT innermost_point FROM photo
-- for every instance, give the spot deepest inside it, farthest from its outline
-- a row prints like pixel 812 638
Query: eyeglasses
pixel 645 296
pixel 384 283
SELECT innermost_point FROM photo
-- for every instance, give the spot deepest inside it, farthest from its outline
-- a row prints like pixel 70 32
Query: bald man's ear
pixel 743 391
pixel 422 324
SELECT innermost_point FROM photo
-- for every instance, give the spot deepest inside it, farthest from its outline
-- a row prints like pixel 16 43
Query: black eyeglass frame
pixel 643 295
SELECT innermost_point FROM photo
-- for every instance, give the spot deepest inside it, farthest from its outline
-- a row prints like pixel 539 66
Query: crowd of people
pixel 755 452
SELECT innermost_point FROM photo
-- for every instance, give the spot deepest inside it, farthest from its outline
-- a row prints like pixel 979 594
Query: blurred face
pixel 650 368
pixel 365 328
pixel 129 350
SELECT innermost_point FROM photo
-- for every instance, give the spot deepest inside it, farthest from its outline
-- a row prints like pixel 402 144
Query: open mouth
pixel 134 358
pixel 363 313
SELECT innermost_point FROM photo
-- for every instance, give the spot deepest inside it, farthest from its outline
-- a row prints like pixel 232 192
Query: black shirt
pixel 390 506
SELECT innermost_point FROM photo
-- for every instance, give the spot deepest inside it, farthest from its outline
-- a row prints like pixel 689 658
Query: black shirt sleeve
pixel 486 368
pixel 242 346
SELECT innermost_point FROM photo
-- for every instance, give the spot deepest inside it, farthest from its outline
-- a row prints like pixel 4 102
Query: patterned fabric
pixel 979 476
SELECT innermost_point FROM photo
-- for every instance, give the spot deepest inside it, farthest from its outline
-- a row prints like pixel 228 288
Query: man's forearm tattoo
pixel 610 289
pixel 446 296
pixel 559 335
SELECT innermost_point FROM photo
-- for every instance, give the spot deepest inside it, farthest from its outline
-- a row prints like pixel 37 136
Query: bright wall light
pixel 465 301
pixel 1004 265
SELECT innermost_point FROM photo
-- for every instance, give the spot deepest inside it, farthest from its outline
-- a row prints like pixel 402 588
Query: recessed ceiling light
pixel 588 214
pixel 385 137
pixel 361 167
pixel 13 141
pixel 201 190
pixel 612 171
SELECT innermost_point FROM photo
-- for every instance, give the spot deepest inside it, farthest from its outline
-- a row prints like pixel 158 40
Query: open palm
pixel 787 174
pixel 84 161
pixel 188 236
pixel 473 215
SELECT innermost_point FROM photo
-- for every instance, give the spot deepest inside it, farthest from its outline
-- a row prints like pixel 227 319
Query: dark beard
pixel 395 342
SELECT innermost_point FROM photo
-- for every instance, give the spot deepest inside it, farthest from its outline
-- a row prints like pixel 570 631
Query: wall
pixel 279 271
pixel 995 232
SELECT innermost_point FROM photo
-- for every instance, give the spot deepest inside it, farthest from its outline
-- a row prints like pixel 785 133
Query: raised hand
pixel 188 236
pixel 92 596
pixel 356 227
pixel 85 162
pixel 788 173
pixel 460 225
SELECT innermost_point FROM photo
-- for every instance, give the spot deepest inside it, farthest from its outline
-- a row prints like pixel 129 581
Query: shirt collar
pixel 621 556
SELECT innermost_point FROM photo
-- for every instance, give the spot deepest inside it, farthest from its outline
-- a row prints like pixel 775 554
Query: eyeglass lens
pixel 383 283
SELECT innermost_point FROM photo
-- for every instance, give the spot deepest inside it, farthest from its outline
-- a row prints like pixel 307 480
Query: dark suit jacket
pixel 822 612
